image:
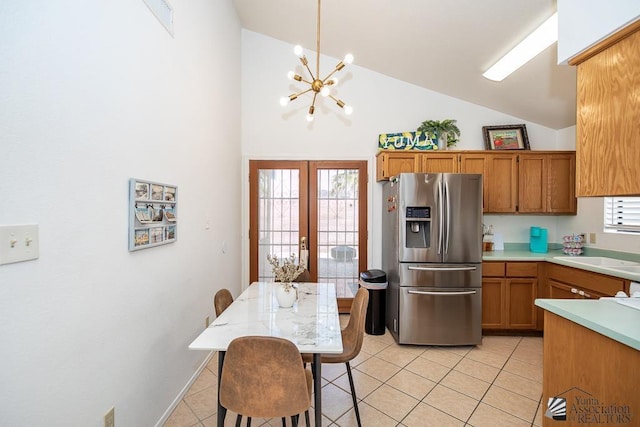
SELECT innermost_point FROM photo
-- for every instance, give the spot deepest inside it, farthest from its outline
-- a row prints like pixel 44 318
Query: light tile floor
pixel 498 383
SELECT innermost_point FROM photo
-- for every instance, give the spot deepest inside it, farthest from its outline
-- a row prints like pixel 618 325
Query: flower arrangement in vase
pixel 286 273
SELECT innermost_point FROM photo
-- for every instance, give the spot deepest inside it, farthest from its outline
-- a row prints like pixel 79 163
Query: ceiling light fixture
pixel 543 37
pixel 316 84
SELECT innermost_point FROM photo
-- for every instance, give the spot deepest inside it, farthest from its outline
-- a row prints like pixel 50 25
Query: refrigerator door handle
pixel 466 268
pixel 448 219
pixel 443 293
pixel 441 217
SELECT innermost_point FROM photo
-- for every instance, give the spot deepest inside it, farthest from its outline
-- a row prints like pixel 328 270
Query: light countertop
pixel 518 252
pixel 605 316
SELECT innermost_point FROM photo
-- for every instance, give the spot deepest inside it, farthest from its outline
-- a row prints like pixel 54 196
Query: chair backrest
pixel 353 333
pixel 222 300
pixel 264 377
pixel 305 276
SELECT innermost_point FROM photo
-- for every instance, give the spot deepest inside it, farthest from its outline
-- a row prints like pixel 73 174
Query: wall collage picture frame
pixel 153 216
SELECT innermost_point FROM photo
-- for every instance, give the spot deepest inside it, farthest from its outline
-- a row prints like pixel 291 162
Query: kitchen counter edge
pixel 604 316
pixel 520 255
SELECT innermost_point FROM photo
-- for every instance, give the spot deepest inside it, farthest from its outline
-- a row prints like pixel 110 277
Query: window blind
pixel 622 214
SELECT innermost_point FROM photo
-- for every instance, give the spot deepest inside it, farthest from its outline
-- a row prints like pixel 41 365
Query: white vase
pixel 286 295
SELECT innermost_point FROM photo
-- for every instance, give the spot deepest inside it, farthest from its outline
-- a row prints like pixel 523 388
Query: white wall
pixel 583 23
pixel 93 93
pixel 381 104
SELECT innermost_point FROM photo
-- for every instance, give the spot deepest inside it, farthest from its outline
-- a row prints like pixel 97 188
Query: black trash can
pixel 376 282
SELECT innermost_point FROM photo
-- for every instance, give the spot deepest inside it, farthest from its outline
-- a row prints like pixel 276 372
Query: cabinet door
pixel 532 180
pixel 521 310
pixel 502 188
pixel 439 162
pixel 493 303
pixel 561 191
pixel 558 290
pixel 608 113
pixel 391 164
pixel 476 163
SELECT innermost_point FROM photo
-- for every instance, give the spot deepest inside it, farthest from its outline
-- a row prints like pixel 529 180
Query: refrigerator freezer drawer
pixel 440 316
pixel 441 275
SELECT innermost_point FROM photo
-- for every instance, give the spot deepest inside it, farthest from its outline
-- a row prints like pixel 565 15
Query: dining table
pixel 312 324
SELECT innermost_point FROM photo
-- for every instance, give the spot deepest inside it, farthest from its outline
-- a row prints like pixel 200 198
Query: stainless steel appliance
pixel 432 254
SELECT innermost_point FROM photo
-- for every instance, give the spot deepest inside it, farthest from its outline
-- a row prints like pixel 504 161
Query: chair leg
pixel 238 420
pixel 248 421
pixel 306 418
pixel 284 422
pixel 353 393
pixel 294 421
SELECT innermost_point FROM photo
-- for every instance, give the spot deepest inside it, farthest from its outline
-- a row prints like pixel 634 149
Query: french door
pixel 320 205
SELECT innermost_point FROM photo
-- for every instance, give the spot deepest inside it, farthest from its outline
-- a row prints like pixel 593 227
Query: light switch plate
pixel 18 243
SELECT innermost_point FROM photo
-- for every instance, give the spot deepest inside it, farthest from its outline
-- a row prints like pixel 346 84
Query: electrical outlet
pixel 206 322
pixel 592 237
pixel 110 418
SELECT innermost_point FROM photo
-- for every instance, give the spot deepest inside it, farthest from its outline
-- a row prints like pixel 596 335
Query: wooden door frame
pixel 344 304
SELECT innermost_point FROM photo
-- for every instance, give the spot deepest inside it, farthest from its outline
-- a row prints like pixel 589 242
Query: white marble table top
pixel 312 324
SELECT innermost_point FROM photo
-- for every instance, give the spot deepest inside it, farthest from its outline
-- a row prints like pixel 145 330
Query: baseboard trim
pixel 163 419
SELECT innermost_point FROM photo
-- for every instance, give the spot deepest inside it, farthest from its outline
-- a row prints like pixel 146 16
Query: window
pixel 622 214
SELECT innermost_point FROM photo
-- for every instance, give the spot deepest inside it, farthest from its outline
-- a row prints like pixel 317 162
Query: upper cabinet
pixel 532 182
pixel 608 114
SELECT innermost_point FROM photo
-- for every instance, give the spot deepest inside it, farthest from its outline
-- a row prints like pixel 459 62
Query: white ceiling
pixel 441 45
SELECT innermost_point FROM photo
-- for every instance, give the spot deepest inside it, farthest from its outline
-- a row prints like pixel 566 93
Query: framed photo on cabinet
pixel 506 137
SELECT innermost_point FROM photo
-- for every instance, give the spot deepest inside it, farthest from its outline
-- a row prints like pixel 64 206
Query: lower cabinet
pixel 509 290
pixel 568 282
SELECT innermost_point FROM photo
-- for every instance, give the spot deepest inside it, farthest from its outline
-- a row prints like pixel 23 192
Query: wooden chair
pixel 352 337
pixel 265 377
pixel 305 276
pixel 222 300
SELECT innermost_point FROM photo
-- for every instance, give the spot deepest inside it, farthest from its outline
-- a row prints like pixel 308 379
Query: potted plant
pixel 446 131
pixel 284 274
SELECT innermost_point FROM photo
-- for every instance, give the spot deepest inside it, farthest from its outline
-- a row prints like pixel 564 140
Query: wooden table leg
pixel 317 388
pixel 221 411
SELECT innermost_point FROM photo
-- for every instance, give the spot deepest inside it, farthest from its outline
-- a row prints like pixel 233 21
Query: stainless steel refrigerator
pixel 432 254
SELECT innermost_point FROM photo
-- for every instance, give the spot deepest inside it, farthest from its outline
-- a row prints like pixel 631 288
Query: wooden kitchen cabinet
pixel 568 282
pixel 440 162
pixel 608 113
pixel 502 183
pixel 509 290
pixel 537 182
pixel 392 163
pixel 546 183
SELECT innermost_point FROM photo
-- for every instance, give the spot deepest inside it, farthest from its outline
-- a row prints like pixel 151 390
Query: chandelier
pixel 316 84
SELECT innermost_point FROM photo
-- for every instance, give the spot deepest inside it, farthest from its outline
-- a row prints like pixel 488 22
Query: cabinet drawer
pixel 493 269
pixel 586 280
pixel 522 269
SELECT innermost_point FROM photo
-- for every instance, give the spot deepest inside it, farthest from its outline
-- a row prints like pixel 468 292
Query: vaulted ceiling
pixel 441 45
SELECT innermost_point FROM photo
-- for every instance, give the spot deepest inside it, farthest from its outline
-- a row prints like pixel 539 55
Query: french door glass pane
pixel 278 222
pixel 337 237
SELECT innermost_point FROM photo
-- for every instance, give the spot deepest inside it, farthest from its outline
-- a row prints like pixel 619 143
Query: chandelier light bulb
pixel 291 75
pixel 334 81
pixel 298 51
pixel 309 117
pixel 348 58
pixel 284 101
pixel 348 109
pixel 325 91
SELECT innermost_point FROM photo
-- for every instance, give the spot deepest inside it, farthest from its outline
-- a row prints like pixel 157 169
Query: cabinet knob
pixel 574 291
pixel 581 293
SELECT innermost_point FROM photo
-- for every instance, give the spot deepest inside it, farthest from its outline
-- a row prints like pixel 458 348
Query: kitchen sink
pixel 627 268
pixel 600 261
